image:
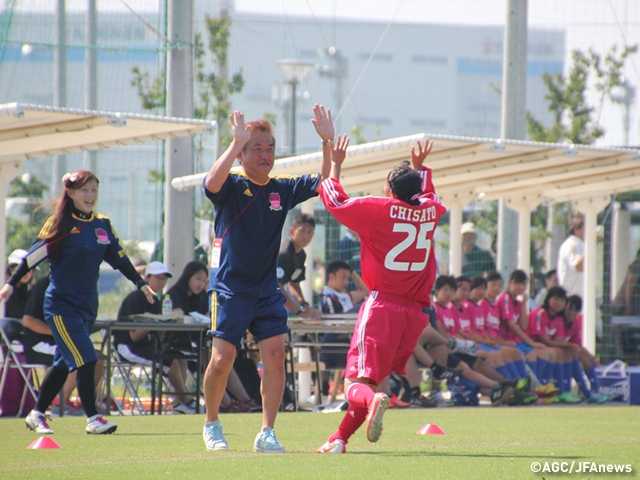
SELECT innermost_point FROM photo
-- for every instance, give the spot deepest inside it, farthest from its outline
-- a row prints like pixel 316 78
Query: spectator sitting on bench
pixel 137 346
pixel 336 299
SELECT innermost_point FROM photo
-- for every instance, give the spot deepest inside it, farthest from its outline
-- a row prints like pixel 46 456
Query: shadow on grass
pixel 465 455
pixel 161 434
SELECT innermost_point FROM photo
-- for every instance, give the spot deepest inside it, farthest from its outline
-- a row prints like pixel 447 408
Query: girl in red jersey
pixel 399 268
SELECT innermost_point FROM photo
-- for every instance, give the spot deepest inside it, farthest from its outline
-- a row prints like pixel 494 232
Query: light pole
pixel 625 94
pixel 336 68
pixel 294 72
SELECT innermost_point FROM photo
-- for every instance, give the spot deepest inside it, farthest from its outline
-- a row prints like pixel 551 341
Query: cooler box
pixel 621 383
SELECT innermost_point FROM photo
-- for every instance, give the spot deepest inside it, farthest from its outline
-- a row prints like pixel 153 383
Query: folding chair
pixel 11 332
pixel 133 376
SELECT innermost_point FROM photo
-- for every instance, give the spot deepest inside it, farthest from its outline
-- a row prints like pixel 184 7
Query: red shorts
pixel 384 337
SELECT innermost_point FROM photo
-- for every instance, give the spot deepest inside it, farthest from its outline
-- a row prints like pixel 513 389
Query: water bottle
pixel 167 305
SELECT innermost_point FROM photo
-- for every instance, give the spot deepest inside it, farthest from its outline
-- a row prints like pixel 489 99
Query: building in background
pixel 421 78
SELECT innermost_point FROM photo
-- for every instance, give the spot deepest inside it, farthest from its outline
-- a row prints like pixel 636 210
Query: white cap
pixel 16 256
pixel 157 268
pixel 468 227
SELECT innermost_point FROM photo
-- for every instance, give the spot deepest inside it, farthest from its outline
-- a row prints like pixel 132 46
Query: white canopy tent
pixel 34 131
pixel 525 174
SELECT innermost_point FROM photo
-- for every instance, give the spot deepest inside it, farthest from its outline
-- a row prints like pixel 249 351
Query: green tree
pixel 574 120
pixel 213 89
pixel 23 230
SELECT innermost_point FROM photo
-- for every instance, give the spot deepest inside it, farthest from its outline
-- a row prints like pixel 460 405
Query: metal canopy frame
pixel 30 131
pixel 523 173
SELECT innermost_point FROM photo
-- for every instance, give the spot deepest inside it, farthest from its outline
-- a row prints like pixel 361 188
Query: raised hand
pixel 339 150
pixel 6 292
pixel 241 131
pixel 323 123
pixel 417 157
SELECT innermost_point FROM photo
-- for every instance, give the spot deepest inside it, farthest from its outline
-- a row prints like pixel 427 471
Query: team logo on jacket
pixel 274 200
pixel 103 238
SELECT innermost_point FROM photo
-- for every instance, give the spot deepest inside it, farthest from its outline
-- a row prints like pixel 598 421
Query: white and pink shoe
pixel 97 425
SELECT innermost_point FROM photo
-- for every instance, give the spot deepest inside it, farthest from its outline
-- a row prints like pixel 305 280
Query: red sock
pixel 353 419
pixel 360 395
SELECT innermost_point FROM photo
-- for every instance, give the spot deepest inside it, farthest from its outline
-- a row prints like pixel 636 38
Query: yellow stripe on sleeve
pixel 46 228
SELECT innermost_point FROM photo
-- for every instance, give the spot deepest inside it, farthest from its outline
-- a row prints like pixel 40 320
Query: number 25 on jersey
pixel 415 239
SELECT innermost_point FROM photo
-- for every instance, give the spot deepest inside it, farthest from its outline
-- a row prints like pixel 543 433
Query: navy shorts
pixel 524 348
pixel 232 316
pixel 75 348
pixel 431 313
pixel 453 360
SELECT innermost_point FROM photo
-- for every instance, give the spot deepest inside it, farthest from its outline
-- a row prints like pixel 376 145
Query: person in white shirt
pixel 571 258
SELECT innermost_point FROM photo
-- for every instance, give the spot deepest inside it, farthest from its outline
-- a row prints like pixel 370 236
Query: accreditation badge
pixel 215 252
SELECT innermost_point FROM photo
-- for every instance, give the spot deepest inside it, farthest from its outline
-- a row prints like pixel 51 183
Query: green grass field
pixel 479 443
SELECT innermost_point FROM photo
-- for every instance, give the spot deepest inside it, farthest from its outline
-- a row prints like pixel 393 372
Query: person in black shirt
pixel 291 265
pixel 188 294
pixel 137 346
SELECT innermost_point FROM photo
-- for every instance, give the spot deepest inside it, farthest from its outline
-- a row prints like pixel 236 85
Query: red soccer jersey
pixel 448 317
pixel 539 323
pixel 573 332
pixel 395 239
pixel 476 313
pixel 491 318
pixel 510 309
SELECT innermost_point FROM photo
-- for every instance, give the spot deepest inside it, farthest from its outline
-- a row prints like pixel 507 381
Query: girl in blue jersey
pixel 75 240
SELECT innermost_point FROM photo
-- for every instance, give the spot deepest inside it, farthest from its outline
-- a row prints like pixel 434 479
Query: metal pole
pixel 179 219
pixel 91 76
pixel 292 141
pixel 8 172
pixel 524 234
pixel 455 225
pixel 59 88
pixel 131 233
pixel 514 89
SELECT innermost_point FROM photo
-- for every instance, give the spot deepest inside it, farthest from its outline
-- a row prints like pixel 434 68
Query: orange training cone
pixel 43 443
pixel 431 429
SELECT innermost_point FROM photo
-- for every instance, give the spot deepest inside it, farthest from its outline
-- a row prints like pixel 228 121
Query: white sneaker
pixel 377 408
pixel 266 442
pixel 462 346
pixel 185 408
pixel 37 422
pixel 439 400
pixel 213 436
pixel 98 425
pixel 337 446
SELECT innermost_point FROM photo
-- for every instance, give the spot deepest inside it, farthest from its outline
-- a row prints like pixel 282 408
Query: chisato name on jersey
pixel 418 214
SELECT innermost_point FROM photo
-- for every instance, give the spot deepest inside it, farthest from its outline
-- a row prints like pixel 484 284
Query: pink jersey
pixel 556 328
pixel 465 317
pixel 476 313
pixel 395 239
pixel 510 310
pixel 491 318
pixel 573 332
pixel 448 317
pixel 539 323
